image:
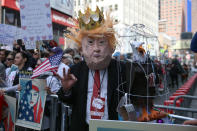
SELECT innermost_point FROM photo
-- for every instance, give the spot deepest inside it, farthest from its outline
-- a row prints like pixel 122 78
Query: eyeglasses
pixel 9 59
pixel 35 53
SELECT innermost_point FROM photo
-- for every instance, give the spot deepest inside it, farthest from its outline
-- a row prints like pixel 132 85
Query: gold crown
pixel 91 19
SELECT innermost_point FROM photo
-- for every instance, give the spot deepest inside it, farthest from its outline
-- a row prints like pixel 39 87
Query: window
pixel 90 1
pixel 78 2
pixel 116 7
pixel 12 17
pixel 97 0
pixel 102 9
pixel 110 7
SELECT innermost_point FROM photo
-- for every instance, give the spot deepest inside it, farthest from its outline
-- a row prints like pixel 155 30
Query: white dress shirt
pixel 103 92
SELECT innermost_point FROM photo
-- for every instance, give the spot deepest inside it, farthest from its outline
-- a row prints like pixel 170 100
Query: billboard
pixel 65 6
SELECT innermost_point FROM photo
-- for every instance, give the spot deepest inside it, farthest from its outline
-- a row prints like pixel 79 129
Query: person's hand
pixel 49 90
pixel 2 91
pixel 190 122
pixel 19 88
pixel 68 80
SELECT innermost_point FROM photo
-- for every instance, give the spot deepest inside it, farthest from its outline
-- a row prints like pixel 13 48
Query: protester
pixel 2 75
pixel 21 61
pixel 36 55
pixel 9 62
pixel 3 55
pixel 96 78
pixel 53 83
pixel 69 51
pixel 67 60
pixel 76 59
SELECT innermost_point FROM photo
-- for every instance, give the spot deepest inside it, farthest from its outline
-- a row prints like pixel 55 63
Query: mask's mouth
pixel 96 55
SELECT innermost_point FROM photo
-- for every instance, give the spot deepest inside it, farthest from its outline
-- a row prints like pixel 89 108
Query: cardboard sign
pixel 108 125
pixel 7 34
pixel 36 20
pixel 31 103
pixel 9 109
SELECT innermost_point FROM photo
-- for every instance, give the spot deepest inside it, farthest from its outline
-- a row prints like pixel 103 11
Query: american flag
pixel 50 64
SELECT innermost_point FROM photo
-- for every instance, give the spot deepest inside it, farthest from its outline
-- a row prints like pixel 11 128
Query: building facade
pixel 172 12
pixel 194 15
pixel 126 12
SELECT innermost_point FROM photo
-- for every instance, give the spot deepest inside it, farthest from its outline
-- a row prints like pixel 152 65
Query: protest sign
pixel 36 20
pixel 31 103
pixel 109 125
pixel 7 34
pixel 8 113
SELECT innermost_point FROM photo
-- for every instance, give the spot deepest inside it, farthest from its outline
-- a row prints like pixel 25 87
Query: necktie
pixel 96 92
pixel 96 87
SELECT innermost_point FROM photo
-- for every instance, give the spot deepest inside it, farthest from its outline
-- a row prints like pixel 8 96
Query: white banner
pixel 36 20
pixel 7 34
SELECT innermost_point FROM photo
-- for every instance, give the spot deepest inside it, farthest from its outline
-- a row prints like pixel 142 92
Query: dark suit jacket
pixel 78 96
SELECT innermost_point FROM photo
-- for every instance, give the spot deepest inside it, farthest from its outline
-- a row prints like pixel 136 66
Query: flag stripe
pixel 49 64
pixel 47 60
pixel 44 68
pixel 42 65
pixel 38 74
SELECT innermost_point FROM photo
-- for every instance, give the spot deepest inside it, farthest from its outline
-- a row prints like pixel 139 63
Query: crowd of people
pixel 88 83
pixel 20 59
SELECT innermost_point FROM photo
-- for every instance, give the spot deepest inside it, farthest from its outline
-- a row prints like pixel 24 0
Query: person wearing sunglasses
pixel 36 55
pixel 21 61
pixel 9 62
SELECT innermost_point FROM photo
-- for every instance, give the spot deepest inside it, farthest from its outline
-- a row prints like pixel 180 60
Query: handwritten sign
pixel 36 20
pixel 7 34
pixel 30 45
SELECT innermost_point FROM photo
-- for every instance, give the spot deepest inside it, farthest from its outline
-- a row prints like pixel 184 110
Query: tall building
pixel 172 19
pixel 194 15
pixel 126 12
pixel 179 16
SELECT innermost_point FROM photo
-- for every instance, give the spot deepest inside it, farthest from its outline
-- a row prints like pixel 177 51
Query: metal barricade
pixel 178 115
pixel 186 103
pixel 65 113
pixel 53 116
pixel 65 117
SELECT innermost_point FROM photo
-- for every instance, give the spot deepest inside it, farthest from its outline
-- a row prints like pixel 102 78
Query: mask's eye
pixel 101 42
pixel 35 94
pixel 90 42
